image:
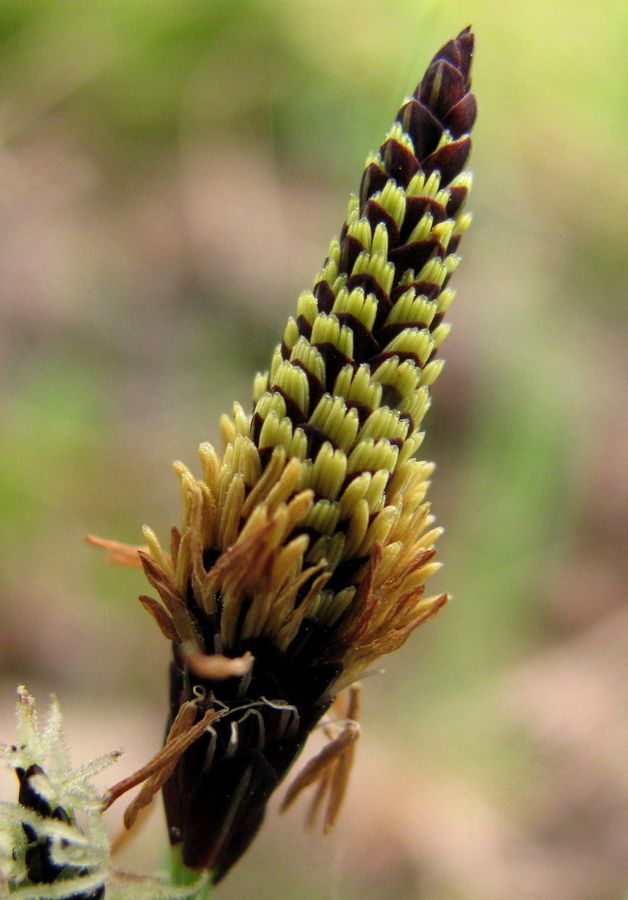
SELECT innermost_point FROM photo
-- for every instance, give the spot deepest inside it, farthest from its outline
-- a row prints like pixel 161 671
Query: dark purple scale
pixel 216 798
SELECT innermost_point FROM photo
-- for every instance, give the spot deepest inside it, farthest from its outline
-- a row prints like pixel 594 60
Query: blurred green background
pixel 170 176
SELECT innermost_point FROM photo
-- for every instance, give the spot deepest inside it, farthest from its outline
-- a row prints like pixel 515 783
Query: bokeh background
pixel 170 176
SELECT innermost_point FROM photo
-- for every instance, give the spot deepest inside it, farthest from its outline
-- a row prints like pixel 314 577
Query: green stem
pixel 182 876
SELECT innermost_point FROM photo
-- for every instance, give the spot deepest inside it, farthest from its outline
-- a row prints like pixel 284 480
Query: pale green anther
pixel 333 605
pixel 353 209
pixel 298 444
pixel 318 550
pixel 431 372
pixel 368 307
pixel 260 385
pixel 427 469
pixel 355 491
pixel 320 605
pixel 327 547
pixel 254 620
pixel 328 330
pixel 464 179
pixel 377 265
pixel 291 333
pixel 463 222
pixel 422 229
pixel 379 529
pixel 358 526
pixel 333 418
pixel 439 334
pixel 322 413
pixel 443 231
pixel 362 307
pixel 360 230
pixel 293 381
pixel 245 460
pixel 306 475
pixel 384 423
pixel 240 419
pixel 373 159
pixel 339 283
pixel 445 299
pixel 375 496
pixel 307 306
pixel 341 303
pixel 358 386
pixel 407 277
pixel 445 139
pixel 451 263
pixel 322 551
pixel 328 472
pixel 275 432
pixel 379 244
pixel 401 309
pixel 370 456
pixel 344 380
pixel 419 186
pixel 434 270
pixel 323 517
pixel 442 197
pixel 403 377
pixel 417 403
pixel 420 342
pixel 209 462
pixel 275 362
pixel 310 357
pixel 335 548
pixel 329 272
pixel 231 497
pixel 271 404
pixel 277 405
pixel 413 443
pixel 432 185
pixel 393 200
pixel 396 133
pixel 410 308
pixel 416 185
pixel 321 609
pixel 185 477
pixel 334 251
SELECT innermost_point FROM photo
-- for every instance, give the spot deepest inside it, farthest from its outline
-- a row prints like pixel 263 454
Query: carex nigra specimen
pixel 305 547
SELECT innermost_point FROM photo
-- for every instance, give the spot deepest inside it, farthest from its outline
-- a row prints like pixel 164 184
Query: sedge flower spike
pixel 305 548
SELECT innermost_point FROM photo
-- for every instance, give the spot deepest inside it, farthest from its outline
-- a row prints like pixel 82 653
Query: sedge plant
pixel 305 545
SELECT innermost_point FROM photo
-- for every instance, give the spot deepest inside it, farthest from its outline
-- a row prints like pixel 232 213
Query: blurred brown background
pixel 170 176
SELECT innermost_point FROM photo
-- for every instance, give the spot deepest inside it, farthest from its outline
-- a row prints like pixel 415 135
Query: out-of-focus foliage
pixel 170 176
